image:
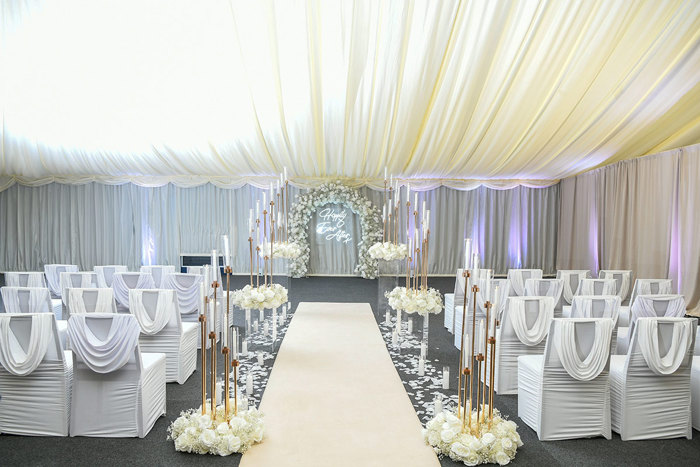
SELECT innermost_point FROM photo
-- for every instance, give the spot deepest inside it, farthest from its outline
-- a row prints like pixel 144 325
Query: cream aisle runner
pixel 335 398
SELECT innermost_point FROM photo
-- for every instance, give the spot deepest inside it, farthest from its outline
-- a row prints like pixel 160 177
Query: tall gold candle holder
pixel 235 364
pixel 250 243
pixel 225 349
pixel 475 290
pixel 461 404
pixel 203 328
pixel 212 338
pixel 486 353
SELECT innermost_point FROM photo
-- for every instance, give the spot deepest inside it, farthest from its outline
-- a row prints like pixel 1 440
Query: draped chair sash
pixel 503 289
pixel 159 273
pixel 582 306
pixel 12 356
pixel 644 287
pixel 594 363
pixel 101 278
pixel 104 303
pixel 34 279
pixel 187 288
pixel 52 275
pixel 517 279
pixel 87 280
pixel 624 282
pixel 648 339
pixel 568 292
pixel 459 288
pixel 110 354
pixel 533 288
pixel 39 299
pixel 517 316
pixel 643 306
pixel 165 304
pixel 587 287
pixel 121 289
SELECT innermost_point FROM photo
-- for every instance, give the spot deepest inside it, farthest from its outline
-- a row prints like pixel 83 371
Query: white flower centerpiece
pixel 287 250
pixel 260 298
pixel 335 193
pixel 388 251
pixel 421 301
pixel 197 433
pixel 494 443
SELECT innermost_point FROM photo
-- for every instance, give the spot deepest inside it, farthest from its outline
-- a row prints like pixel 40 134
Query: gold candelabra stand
pixel 203 328
pixel 225 349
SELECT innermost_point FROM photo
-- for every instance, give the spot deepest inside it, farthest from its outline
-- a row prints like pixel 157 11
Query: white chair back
pixel 579 346
pixel 517 278
pixel 622 278
pixel 572 278
pixel 544 288
pixel 26 300
pixel 596 287
pixel 124 281
pixel 26 340
pixel 159 273
pixel 459 288
pixel 81 301
pixel 25 279
pixel 596 306
pixel 661 346
pixel 187 288
pixel 653 306
pixel 53 276
pixel 527 319
pixel 83 280
pixel 651 287
pixel 105 274
pixel 105 343
pixel 155 310
pixel 503 288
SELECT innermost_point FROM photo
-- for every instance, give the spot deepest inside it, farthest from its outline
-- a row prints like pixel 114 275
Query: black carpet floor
pixel 156 450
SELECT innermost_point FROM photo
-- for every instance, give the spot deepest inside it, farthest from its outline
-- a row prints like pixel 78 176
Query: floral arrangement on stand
pixel 388 251
pixel 260 298
pixel 421 301
pixel 335 193
pixel 495 442
pixel 287 250
pixel 195 432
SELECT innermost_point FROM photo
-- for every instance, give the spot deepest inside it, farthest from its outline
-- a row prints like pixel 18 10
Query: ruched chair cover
pixel 503 287
pixel 650 386
pixel 187 288
pixel 563 394
pixel 596 287
pixel 162 330
pixel 53 276
pixel 122 282
pixel 83 280
pixel 623 279
pixel 159 274
pixel 25 279
pixel 695 386
pixel 598 306
pixel 517 278
pixel 651 287
pixel 571 278
pixel 454 301
pixel 117 390
pixel 35 376
pixel 546 288
pixel 649 306
pixel 81 301
pixel 105 274
pixel 33 300
pixel 523 331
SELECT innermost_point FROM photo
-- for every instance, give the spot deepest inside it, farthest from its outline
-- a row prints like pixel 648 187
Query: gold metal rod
pixel 225 351
pixel 212 383
pixel 250 241
pixel 475 289
pixel 286 212
pixel 479 359
pixel 466 373
pixel 203 327
pixel 465 274
pixel 492 371
pixel 486 353
pixel 234 363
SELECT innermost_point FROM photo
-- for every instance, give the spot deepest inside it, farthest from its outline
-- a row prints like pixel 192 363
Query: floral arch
pixel 335 193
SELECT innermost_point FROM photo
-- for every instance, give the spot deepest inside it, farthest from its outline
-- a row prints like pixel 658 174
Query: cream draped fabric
pixel 25 279
pixel 26 299
pixel 105 274
pixel 452 92
pixel 593 364
pixel 517 278
pixel 13 357
pixel 104 302
pixel 544 287
pixel 648 339
pixel 651 287
pixel 165 307
pixel 582 306
pixel 516 313
pixel 108 354
pixel 123 282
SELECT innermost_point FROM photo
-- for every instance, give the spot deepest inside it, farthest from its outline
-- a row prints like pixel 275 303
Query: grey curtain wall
pixel 97 224
pixel 639 214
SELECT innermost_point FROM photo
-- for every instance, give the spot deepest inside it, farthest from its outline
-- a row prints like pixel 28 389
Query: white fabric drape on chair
pixel 517 278
pixel 82 280
pixel 108 354
pixel 597 287
pixel 102 301
pixel 651 287
pixel 571 277
pixel 544 287
pixel 166 304
pixel 53 276
pixel 124 281
pixel 26 299
pixel 13 357
pixel 159 273
pixel 25 279
pixel 681 340
pixel 588 306
pixel 105 274
pixel 187 288
pixel 593 364
pixel 622 280
pixel 534 334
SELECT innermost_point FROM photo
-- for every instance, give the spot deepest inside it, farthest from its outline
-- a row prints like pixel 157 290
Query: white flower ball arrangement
pixel 335 193
pixel 388 251
pixel 496 444
pixel 194 432
pixel 288 250
pixel 418 301
pixel 260 298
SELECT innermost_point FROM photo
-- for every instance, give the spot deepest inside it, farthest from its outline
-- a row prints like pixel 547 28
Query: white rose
pixel 475 445
pixel 488 439
pixel 448 435
pixel 207 438
pixel 459 450
pixel 433 438
pixel 501 457
pixel 233 443
pixel 507 444
pixel 222 428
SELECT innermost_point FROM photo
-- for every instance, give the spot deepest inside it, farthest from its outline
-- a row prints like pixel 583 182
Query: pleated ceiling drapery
pixel 639 215
pixel 456 93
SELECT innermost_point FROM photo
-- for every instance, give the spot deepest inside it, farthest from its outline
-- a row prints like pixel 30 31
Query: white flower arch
pixel 337 193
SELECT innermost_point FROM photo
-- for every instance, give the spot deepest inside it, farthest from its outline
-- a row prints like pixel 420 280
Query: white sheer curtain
pixel 640 215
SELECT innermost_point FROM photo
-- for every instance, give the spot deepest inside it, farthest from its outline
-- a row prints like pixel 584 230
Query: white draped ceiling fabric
pixel 456 93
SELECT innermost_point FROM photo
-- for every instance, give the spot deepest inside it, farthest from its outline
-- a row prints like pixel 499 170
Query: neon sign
pixel 332 225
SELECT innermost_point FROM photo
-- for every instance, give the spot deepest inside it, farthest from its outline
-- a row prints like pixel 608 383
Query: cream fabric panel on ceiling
pixel 449 93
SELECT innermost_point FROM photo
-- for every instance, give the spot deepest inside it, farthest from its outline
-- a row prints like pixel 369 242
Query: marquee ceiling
pixel 443 92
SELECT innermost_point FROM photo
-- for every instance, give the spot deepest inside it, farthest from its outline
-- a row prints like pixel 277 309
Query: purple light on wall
pixel 593 240
pixel 148 248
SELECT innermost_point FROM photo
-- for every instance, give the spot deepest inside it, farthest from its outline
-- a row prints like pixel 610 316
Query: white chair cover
pixel 26 300
pixel 597 287
pixel 454 301
pixel 503 287
pixel 187 288
pixel 544 288
pixel 165 305
pixel 622 280
pixel 651 395
pixel 517 278
pixel 695 388
pixel 83 280
pixel 551 401
pixel 105 274
pixel 109 354
pixel 53 278
pixel 533 316
pixel 16 360
pixel 38 402
pixel 159 273
pixel 649 306
pixel 25 279
pixel 571 278
pixel 651 287
pixel 122 282
pixel 596 306
pixel 82 301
